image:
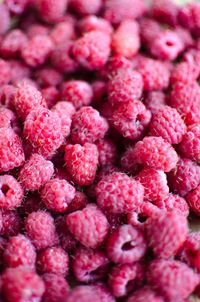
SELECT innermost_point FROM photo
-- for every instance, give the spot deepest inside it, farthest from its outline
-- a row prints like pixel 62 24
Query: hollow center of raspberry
pixel 169 43
pixel 5 189
pixel 127 246
pixel 142 218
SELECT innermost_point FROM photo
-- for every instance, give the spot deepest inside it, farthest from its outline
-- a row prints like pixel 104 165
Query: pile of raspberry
pixel 99 151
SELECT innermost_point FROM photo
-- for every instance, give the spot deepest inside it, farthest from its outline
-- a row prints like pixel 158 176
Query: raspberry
pixel 42 128
pixel 35 29
pixel 50 10
pixel 149 29
pixel 119 193
pixel 5 18
pixel 126 39
pixel 154 152
pixel 86 293
pixel 20 72
pixel 166 232
pixel 64 110
pixel 145 294
pixel 20 284
pixel 190 145
pixel 168 124
pixel 89 7
pixel 185 72
pixel 17 7
pixel 174 203
pixel 20 252
pixel 77 92
pixel 37 50
pixel 11 150
pixel 11 193
pixel 130 119
pixel 155 100
pixel 189 17
pixel 165 11
pixel 31 203
pixel 89 265
pixel 128 161
pixel 118 64
pixel 62 32
pixel 9 119
pixel 185 36
pixel 193 200
pixel 126 245
pixel 26 99
pixel 92 50
pixel 56 288
pixel 81 163
pixel 36 172
pixel 11 223
pixel 107 152
pixel 41 230
pixel 155 74
pixel 67 240
pixel 165 276
pixel 185 177
pixel 51 95
pixel 90 23
pixel 7 95
pixel 78 203
pixel 89 226
pixel 13 43
pixel 5 72
pixel 123 278
pixel 53 260
pixel 57 194
pixel 124 86
pixel 48 77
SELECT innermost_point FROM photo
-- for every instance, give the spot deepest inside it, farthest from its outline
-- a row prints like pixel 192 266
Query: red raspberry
pixel 41 230
pixel 125 85
pixel 89 265
pixel 145 294
pixel 57 194
pixel 37 50
pixel 186 99
pixel 174 203
pixel 166 232
pixel 155 74
pixel 193 200
pixel 77 92
pixel 11 150
pixel 50 10
pixel 107 152
pixel 119 193
pixel 20 284
pixel 13 43
pixel 126 39
pixel 51 95
pixel 165 276
pixel 26 99
pixel 89 226
pixel 149 29
pixel 62 31
pixel 36 172
pixel 5 18
pixel 92 50
pixel 189 17
pixel 123 278
pixel 190 145
pixel 165 11
pixel 17 7
pixel 11 192
pixel 117 11
pixel 130 119
pixel 81 163
pixel 78 203
pixel 89 7
pixel 53 260
pixel 155 100
pixel 20 252
pixel 185 72
pixel 5 72
pixel 87 293
pixel 92 22
pixel 56 288
pixel 168 124
pixel 11 223
pixel 48 76
pixel 42 128
pixel 126 245
pixel 154 152
pixel 185 177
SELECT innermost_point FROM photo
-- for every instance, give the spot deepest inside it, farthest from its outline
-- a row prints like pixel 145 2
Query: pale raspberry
pixel 185 72
pixel 48 76
pixel 50 10
pixel 107 152
pixel 174 203
pixel 86 7
pixel 13 43
pixel 87 293
pixel 193 200
pixel 11 192
pixel 93 22
pixel 89 226
pixel 190 145
pixel 56 288
pixel 145 294
pixel 10 223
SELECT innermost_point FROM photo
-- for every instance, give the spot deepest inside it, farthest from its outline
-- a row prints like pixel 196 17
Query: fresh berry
pixel 48 77
pixel 155 100
pixel 56 288
pixel 93 22
pixel 17 7
pixel 107 152
pixel 165 11
pixel 86 7
pixel 193 200
pixel 11 193
pixel 10 223
pixel 13 43
pixel 190 144
pixel 79 202
pixel 173 203
pixel 185 72
pixel 145 294
pixel 5 72
pixel 50 10
pixel 5 18
pixel 63 31
pixel 189 17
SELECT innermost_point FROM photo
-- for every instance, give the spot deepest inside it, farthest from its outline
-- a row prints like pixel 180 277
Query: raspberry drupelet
pixel 56 288
pixel 11 192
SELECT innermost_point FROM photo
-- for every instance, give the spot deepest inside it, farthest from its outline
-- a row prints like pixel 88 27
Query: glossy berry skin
pixel 190 144
pixel 89 226
pixel 11 193
pixel 56 288
pixel 86 293
pixel 145 294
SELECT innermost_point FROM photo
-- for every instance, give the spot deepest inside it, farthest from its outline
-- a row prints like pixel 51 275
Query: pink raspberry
pixel 7 93
pixel 5 18
pixel 57 194
pixel 77 92
pixel 50 10
pixel 156 153
pixel 125 85
pixel 126 39
pixel 37 50
pixel 123 278
pixel 48 76
pixel 13 43
pixel 20 73
pixel 107 152
pixel 36 172
pixel 145 294
pixel 5 72
pixel 86 7
pixel 189 17
pixel 149 29
pixel 79 202
pixel 56 288
pixel 89 265
pixel 51 95
pixel 20 252
pixel 190 145
pixel 185 72
pixel 129 162
pixel 11 150
pixel 185 36
pixel 168 124
pixel 11 223
pixel 87 293
pixel 119 193
pixel 42 128
pixel 67 240
pixel 116 65
pixel 193 200
pixel 41 230
pixel 166 232
pixel 92 22
pixel 53 260
pixel 11 192
pixel 155 100
pixel 21 284
pixel 126 245
pixel 130 119
pixel 165 276
pixel 9 119
pixel 81 163
pixel 173 203
pixel 92 50
pixel 62 31
pixel 37 29
pixel 26 99
pixel 185 177
pixel 165 11
pixel 89 226
pixel 17 7
pixel 155 74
